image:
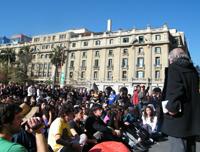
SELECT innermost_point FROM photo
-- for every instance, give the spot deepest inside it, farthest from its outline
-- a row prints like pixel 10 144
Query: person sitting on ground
pixel 59 137
pixel 149 121
pixel 10 123
pixel 96 128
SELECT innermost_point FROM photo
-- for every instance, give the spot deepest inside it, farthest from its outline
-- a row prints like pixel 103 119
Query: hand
pixel 172 113
pixel 126 123
pixel 76 147
pixel 118 132
pixel 35 124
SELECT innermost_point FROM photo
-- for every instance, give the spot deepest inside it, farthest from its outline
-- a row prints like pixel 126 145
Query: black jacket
pixel 94 124
pixel 182 91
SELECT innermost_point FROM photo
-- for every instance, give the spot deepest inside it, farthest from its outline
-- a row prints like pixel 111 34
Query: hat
pixel 28 112
pixel 96 106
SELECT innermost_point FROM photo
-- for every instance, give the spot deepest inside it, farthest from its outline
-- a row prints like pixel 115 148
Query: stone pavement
pixel 163 146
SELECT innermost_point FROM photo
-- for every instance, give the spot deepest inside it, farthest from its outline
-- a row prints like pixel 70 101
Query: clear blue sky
pixel 36 17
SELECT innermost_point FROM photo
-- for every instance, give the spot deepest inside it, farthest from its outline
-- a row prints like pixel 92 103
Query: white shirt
pixel 148 121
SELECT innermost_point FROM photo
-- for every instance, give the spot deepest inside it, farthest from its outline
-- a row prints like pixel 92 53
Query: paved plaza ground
pixel 164 147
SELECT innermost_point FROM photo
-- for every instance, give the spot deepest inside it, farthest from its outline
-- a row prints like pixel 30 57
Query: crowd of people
pixel 42 118
pixel 72 119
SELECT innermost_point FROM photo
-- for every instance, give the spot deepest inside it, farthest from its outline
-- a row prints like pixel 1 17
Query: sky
pixel 37 17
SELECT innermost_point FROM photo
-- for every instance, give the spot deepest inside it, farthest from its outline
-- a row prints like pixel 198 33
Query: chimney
pixel 109 25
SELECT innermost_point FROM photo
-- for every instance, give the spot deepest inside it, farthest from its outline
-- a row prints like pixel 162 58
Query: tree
pixel 7 60
pixel 57 59
pixel 25 57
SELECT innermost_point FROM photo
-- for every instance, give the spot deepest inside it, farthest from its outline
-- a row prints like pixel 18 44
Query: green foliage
pixel 25 57
pixel 57 59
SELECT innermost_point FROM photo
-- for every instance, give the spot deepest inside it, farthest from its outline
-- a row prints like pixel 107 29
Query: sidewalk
pixel 163 146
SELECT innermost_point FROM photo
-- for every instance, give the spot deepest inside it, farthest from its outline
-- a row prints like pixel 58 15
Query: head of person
pixel 78 113
pixel 123 92
pixel 10 118
pixel 66 112
pixel 97 110
pixel 148 112
pixel 177 53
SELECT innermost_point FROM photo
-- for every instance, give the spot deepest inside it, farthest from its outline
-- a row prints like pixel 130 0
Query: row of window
pixel 141 40
pixel 41 66
pixel 157 50
pixel 139 75
pixel 41 74
pixel 124 63
pixel 42 56
pixel 49 38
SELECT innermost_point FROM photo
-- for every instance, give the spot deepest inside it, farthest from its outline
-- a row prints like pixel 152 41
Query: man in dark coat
pixel 182 122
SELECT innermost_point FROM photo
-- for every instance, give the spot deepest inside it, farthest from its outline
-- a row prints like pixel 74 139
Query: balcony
pixel 158 66
pixel 124 66
pixel 109 79
pixel 125 53
pixel 96 67
pixel 71 67
pixel 142 66
pixel 124 79
pixel 140 53
pixel 83 67
pixel 110 67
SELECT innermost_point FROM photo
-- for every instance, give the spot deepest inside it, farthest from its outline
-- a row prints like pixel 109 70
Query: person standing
pixel 181 123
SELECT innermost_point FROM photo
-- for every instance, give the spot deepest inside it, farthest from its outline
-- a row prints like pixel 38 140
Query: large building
pixel 110 58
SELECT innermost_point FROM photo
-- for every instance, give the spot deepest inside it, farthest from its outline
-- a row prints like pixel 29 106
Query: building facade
pixel 111 58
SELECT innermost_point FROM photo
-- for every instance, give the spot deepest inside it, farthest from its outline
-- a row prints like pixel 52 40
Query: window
pixel 95 75
pixel 84 54
pixel 62 36
pixel 110 41
pixel 157 61
pixel 33 66
pixel 72 55
pixel 83 63
pixel 43 46
pixel 109 62
pixel 45 65
pixel 157 74
pixel 125 40
pixel 41 56
pixel 157 50
pixel 141 39
pixel 44 38
pixel 71 63
pixel 140 74
pixel 49 38
pixel 110 52
pixel 140 62
pixel 33 56
pixel 73 44
pixel 124 74
pixel 157 37
pixel 109 75
pixel 82 74
pixel 125 51
pixel 96 63
pixel 124 62
pixel 85 43
pixel 47 46
pixel 53 38
pixel 71 75
pixel 36 39
pixel 98 42
pixel 96 53
pixel 140 51
pixel 49 66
